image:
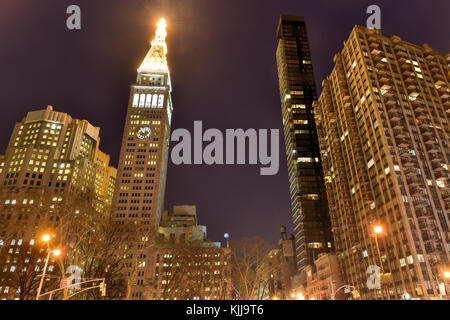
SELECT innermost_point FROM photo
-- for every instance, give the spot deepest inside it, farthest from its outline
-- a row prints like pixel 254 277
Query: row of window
pixel 148 100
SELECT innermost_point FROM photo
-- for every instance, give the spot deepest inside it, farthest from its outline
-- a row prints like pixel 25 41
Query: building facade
pixel 307 190
pixel 322 281
pixel 141 177
pixel 185 265
pixel 383 126
pixel 279 267
pixel 52 171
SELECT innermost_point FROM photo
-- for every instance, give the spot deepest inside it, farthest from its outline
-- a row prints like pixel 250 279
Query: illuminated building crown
pixel 156 57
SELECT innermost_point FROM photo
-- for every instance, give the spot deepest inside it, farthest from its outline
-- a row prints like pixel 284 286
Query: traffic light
pixel 355 294
pixel 103 289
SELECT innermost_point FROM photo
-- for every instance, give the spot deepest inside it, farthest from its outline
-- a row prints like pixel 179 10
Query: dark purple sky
pixel 222 62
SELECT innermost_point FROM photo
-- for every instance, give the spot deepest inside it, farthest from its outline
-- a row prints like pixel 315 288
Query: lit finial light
pixel 45 237
pixel 161 32
pixel 155 59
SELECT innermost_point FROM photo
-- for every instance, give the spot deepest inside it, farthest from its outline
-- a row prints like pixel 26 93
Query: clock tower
pixel 141 178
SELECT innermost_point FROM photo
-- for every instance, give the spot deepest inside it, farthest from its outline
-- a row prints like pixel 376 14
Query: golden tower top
pixel 155 60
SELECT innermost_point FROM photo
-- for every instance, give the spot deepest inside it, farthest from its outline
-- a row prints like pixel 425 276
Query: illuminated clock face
pixel 144 133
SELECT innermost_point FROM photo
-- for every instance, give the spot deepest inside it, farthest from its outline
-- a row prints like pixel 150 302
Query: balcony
pixel 375 52
pixel 420 204
pixel 402 143
pixel 432 148
pixel 410 171
pixel 422 116
pixel 422 212
pixel 416 192
pixel 418 107
pixel 409 163
pixel 400 134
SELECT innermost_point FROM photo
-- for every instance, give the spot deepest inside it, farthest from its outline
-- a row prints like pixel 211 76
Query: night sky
pixel 221 55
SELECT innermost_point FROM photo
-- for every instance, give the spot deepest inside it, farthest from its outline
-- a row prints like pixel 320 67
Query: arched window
pixel 148 101
pixel 142 100
pixel 154 100
pixel 135 99
pixel 161 101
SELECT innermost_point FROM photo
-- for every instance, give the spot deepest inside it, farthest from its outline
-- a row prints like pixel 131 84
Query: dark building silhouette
pixel 298 91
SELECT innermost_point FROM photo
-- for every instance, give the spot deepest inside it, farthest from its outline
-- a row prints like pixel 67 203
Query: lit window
pixel 439 183
pixel 142 100
pixel 148 101
pixel 154 100
pixel 161 101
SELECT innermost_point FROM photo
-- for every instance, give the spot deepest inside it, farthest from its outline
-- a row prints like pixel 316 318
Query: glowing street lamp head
pixel 56 252
pixel 46 237
pixel 300 296
pixel 447 274
pixel 274 298
pixel 378 229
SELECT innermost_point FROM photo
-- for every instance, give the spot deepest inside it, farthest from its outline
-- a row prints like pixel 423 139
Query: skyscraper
pixel 139 194
pixel 52 175
pixel 307 190
pixel 383 126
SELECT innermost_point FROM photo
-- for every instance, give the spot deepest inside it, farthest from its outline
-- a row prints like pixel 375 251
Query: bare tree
pixel 250 268
pixel 22 270
pixel 190 271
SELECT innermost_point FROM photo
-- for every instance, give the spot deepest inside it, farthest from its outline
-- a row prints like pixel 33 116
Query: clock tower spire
pixel 141 176
pixel 156 57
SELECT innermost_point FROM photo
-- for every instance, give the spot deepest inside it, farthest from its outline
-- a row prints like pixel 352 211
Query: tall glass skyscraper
pixel 307 190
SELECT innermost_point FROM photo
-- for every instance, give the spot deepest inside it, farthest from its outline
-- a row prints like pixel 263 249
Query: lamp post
pixel 379 230
pixel 56 252
pixel 444 276
pixel 227 236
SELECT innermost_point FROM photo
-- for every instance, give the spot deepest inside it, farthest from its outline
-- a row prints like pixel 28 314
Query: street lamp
pixel 55 252
pixel 377 229
pixel 227 236
pixel 299 296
